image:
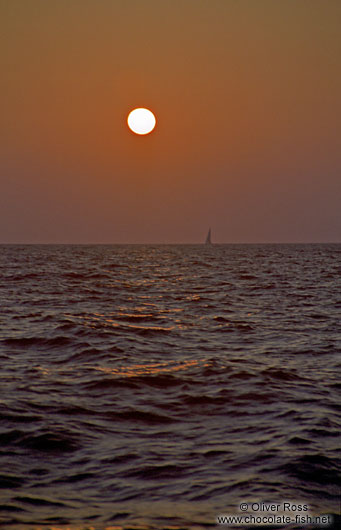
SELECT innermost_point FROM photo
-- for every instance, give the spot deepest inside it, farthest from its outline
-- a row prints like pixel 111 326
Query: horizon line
pixel 179 243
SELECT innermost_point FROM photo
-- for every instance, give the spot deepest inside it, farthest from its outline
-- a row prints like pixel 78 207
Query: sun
pixel 141 121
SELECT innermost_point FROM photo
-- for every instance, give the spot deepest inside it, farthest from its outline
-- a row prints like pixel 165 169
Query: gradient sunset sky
pixel 247 95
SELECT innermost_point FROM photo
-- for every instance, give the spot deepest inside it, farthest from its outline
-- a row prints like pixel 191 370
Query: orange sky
pixel 247 98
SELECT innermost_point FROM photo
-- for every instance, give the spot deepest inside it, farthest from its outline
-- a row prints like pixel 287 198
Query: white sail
pixel 208 238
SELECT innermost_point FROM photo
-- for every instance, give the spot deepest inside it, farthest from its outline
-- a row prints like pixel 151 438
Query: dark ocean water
pixel 160 386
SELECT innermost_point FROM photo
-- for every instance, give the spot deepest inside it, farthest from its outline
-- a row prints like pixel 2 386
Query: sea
pixel 168 386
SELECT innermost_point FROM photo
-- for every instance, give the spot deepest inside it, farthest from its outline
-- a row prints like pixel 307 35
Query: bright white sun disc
pixel 141 121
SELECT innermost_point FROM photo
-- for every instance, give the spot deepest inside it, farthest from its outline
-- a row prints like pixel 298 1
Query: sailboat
pixel 208 238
